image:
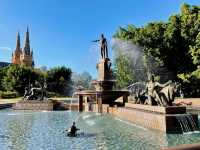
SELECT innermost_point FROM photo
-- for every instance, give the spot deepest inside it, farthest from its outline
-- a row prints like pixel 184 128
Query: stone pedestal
pixel 104 69
pixel 80 102
pixel 34 105
pixel 104 93
pixel 154 117
pixel 105 85
pixel 104 82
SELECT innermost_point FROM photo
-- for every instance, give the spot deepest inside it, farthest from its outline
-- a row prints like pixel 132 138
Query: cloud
pixel 2 48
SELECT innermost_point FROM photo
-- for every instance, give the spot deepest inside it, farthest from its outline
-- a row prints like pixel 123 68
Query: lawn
pixel 14 100
pixel 10 100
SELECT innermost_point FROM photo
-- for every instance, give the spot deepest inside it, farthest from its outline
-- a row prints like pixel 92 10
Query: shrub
pixel 8 94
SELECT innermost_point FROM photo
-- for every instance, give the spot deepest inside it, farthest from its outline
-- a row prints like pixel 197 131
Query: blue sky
pixel 61 30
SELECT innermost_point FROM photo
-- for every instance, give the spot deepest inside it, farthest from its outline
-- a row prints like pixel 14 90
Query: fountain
pixel 104 94
pixel 35 99
pixel 154 109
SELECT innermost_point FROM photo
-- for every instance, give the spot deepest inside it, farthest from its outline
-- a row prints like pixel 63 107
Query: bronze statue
pixel 157 94
pixel 152 90
pixel 26 93
pixel 36 93
pixel 103 46
pixel 167 94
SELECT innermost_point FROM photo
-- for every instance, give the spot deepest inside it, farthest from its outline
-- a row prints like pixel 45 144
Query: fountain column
pixel 80 103
pixel 104 92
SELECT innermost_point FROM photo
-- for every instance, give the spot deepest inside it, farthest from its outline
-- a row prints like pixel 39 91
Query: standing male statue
pixel 103 46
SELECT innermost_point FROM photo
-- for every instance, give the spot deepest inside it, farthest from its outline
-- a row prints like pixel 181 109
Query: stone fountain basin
pixel 158 109
pixel 154 117
pixel 108 97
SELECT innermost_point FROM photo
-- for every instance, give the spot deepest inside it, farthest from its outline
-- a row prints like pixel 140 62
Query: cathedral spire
pixel 18 42
pixel 27 43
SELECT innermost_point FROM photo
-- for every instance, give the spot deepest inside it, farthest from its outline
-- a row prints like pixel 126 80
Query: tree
pixel 173 45
pixel 123 72
pixel 195 51
pixel 82 80
pixel 59 80
pixel 3 71
pixel 18 77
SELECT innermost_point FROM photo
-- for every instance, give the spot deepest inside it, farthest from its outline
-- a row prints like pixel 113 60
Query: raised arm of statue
pixel 163 85
pixel 95 40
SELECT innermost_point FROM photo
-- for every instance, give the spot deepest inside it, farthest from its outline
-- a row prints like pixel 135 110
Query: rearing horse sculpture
pixel 167 94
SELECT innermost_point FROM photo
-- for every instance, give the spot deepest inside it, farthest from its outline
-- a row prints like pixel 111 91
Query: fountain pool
pixel 28 130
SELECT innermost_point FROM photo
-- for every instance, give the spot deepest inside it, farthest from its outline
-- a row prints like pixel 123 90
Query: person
pixel 103 46
pixel 73 130
pixel 152 91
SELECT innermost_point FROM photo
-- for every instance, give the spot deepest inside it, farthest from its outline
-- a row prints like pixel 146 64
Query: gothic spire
pixel 18 42
pixel 27 43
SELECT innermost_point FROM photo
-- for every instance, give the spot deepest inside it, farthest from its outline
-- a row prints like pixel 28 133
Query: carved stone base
pixel 159 118
pixel 34 105
pixel 104 69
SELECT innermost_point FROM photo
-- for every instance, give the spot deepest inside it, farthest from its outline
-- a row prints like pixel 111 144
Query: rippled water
pixel 44 131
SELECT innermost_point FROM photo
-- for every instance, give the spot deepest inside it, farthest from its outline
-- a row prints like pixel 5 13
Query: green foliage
pixel 195 51
pixel 54 94
pixel 190 83
pixel 124 74
pixel 8 94
pixel 174 44
pixel 59 80
pixel 18 77
pixel 2 75
pixel 82 80
pixel 15 78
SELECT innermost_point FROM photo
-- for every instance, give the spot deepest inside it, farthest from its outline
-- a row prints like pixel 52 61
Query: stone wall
pixel 146 119
pixel 195 146
pixel 191 101
pixel 151 119
pixel 34 105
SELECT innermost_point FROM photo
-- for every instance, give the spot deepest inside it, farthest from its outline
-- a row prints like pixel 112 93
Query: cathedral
pixel 23 56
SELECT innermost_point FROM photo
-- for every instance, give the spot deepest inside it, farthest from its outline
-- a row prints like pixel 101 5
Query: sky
pixel 61 31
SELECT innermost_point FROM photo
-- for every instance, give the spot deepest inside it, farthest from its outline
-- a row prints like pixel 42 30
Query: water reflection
pixel 45 130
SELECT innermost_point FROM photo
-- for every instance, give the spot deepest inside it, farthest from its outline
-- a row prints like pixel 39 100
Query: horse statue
pixel 167 94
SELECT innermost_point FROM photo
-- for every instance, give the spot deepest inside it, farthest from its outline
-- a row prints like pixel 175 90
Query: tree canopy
pixel 173 45
pixel 16 78
pixel 82 80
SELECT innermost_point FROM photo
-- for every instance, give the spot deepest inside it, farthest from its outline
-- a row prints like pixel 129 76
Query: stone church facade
pixel 23 56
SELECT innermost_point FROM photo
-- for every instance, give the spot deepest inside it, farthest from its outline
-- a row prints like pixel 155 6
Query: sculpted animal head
pixel 176 87
pixel 168 93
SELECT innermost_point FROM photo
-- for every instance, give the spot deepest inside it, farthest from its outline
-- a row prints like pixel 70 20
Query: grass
pixel 14 100
pixel 10 100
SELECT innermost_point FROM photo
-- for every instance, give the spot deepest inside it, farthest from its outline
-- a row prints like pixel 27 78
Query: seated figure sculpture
pixel 158 94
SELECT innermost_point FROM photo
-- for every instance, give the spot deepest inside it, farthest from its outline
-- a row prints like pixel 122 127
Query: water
pixel 187 123
pixel 44 131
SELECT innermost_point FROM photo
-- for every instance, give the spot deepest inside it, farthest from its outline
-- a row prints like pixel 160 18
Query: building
pixel 4 64
pixel 23 56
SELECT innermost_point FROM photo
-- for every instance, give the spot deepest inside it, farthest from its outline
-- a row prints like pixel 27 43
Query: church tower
pixel 27 54
pixel 17 52
pixel 23 56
